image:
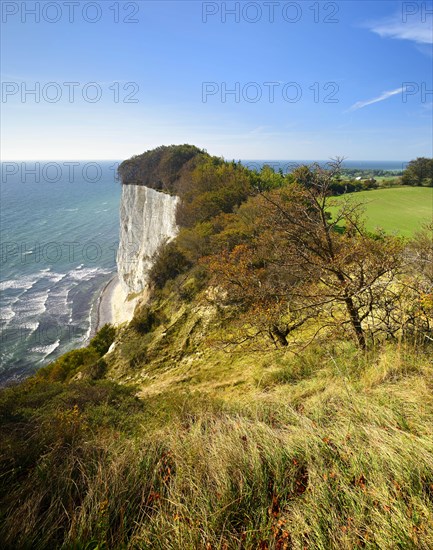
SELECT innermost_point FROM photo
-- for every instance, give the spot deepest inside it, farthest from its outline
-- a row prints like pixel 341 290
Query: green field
pixel 402 210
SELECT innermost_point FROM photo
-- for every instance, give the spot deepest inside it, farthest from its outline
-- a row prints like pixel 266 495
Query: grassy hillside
pixel 240 409
pixel 402 210
pixel 330 449
pixel 195 445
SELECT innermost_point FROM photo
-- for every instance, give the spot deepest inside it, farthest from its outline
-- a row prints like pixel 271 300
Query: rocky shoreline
pixel 112 306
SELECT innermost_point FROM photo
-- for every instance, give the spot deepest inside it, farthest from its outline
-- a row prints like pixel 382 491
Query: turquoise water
pixel 59 237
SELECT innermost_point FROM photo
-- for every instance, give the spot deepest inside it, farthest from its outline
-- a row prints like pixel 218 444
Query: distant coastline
pixel 287 165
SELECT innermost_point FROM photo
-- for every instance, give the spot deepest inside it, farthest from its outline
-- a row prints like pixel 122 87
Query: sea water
pixel 59 237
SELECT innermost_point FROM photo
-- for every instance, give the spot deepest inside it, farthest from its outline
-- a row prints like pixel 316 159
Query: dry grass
pixel 331 450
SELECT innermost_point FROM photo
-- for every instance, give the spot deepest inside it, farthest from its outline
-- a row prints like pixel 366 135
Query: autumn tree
pixel 214 186
pixel 417 287
pixel 305 264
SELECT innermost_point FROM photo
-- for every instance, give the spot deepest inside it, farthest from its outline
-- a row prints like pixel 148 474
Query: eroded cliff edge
pixel 151 186
pixel 147 221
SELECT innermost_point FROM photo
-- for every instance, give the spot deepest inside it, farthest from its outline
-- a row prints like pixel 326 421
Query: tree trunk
pixel 356 323
pixel 353 314
pixel 280 335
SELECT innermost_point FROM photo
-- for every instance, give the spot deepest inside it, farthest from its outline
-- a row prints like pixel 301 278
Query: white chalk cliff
pixel 147 221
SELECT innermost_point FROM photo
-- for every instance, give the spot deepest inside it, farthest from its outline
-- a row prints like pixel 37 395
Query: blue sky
pixel 351 79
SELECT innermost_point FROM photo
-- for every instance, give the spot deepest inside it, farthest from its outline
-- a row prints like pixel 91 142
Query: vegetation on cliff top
pixel 275 391
pixel 161 168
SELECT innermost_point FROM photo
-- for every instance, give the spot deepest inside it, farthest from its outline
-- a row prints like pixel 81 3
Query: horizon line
pixel 225 158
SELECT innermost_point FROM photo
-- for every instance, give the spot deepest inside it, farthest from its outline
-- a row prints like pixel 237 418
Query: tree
pixel 168 263
pixel 419 172
pixel 214 186
pixel 306 266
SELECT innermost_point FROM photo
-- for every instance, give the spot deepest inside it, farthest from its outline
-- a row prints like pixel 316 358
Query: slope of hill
pixel 274 392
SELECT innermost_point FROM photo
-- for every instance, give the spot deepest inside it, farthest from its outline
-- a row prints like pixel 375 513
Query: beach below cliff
pixel 112 306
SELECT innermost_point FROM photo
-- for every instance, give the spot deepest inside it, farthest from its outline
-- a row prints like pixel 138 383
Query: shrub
pixel 69 364
pixel 145 320
pixel 103 339
pixel 168 264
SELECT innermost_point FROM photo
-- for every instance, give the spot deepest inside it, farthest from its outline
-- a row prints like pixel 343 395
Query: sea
pixel 59 230
pixel 59 236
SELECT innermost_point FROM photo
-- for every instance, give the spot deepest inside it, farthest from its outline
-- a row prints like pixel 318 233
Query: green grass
pixel 332 450
pixel 402 210
pixel 384 179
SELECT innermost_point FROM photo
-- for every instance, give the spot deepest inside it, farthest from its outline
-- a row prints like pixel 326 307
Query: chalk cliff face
pixel 147 220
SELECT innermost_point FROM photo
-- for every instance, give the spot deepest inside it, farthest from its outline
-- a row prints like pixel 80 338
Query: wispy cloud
pixel 402 28
pixel 381 97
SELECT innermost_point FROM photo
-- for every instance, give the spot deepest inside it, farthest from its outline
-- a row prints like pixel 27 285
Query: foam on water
pixel 20 310
pixel 31 326
pixel 7 313
pixel 46 350
pixel 56 277
pixel 46 293
pixel 30 305
pixel 26 282
pixel 89 320
pixel 84 274
pixel 58 301
pixel 22 283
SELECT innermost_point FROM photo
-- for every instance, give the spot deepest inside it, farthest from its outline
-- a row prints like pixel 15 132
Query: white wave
pixel 89 320
pixel 32 304
pixel 87 273
pixel 56 277
pixel 46 350
pixel 7 313
pixel 25 283
pixel 29 325
pixel 58 302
